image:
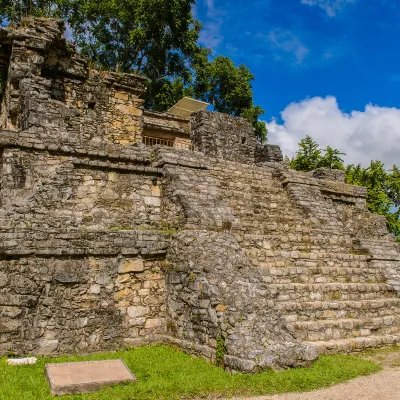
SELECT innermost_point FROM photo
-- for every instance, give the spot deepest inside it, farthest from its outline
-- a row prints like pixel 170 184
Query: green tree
pixel 383 190
pixel 156 38
pixel 12 11
pixel 228 88
pixel 331 159
pixel 308 156
pixel 383 186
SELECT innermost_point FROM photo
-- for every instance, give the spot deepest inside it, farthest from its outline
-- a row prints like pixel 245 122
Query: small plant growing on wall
pixel 220 350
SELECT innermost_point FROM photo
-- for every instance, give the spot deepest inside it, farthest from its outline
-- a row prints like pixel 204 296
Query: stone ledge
pixel 139 154
pixel 83 243
pixel 117 166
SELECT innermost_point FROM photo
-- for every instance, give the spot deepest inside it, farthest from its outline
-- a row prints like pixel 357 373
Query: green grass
pixel 379 351
pixel 166 373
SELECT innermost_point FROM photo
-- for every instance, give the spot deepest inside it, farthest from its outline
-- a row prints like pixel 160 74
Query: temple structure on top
pixel 123 226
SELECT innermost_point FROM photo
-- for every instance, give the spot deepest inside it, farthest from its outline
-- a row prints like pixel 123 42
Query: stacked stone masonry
pixel 105 242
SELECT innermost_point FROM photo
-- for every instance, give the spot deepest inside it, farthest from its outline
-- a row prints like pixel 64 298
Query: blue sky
pixel 337 60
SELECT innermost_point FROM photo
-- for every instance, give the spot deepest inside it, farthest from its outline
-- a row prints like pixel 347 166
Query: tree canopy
pixel 383 190
pixel 310 157
pixel 383 186
pixel 156 38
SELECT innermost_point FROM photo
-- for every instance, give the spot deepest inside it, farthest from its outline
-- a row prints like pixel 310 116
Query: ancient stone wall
pixel 82 241
pixel 162 121
pixel 311 247
pixel 51 92
pixel 106 242
pixel 82 245
pixel 212 135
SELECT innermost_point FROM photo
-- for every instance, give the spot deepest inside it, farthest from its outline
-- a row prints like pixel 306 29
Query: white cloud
pixel 286 42
pixel 331 7
pixel 210 35
pixel 363 135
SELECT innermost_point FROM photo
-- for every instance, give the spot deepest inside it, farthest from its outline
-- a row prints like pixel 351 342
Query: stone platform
pixel 86 377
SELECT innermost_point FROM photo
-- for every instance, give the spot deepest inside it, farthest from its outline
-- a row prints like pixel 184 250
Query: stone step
pixel 322 275
pixel 345 328
pixel 302 255
pixel 330 291
pixel 354 344
pixel 324 310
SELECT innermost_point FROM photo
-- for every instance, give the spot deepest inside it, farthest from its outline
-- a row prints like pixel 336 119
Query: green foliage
pixel 156 38
pixel 164 93
pixel 165 373
pixel 228 88
pixel 13 11
pixel 383 186
pixel 310 157
pixel 331 159
pixel 383 190
pixel 220 350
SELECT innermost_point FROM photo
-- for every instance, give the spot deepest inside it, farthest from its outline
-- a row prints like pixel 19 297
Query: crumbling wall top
pixel 232 138
pixel 51 92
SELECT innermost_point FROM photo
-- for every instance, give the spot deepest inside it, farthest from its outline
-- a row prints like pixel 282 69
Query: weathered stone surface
pixel 131 266
pixel 268 153
pixel 212 135
pixel 224 296
pixel 329 174
pixel 86 377
pixel 106 242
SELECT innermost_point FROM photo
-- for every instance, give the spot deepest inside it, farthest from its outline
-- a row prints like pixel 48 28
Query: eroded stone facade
pixel 106 242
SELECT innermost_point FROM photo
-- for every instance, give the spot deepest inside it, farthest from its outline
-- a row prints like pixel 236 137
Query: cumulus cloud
pixel 363 135
pixel 331 7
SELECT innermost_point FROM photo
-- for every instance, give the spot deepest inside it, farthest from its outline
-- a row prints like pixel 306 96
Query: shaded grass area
pixel 384 356
pixel 379 351
pixel 166 373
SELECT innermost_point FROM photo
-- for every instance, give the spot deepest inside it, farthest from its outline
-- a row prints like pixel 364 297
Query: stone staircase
pixel 328 293
pixel 329 296
pixel 337 309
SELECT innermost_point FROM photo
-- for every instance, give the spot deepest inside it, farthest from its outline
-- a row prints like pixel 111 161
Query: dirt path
pixel 382 386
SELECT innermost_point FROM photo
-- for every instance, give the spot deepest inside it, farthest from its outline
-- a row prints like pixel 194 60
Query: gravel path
pixel 382 386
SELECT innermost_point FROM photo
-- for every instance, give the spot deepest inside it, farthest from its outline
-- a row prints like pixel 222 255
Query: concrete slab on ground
pixel 87 376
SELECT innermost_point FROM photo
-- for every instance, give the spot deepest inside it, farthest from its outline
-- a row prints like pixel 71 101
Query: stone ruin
pixel 106 241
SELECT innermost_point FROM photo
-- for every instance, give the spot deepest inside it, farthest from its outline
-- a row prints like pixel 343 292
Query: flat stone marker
pixel 87 376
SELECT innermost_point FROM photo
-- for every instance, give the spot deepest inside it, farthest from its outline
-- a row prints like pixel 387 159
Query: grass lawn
pixel 166 373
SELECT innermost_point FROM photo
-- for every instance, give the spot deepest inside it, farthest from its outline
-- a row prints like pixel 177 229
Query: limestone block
pixel 155 191
pixel 138 311
pixel 3 279
pixel 47 346
pixel 87 376
pixel 154 323
pixel 152 201
pixel 122 96
pixel 22 361
pixel 127 266
pixel 95 289
pixel 130 110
